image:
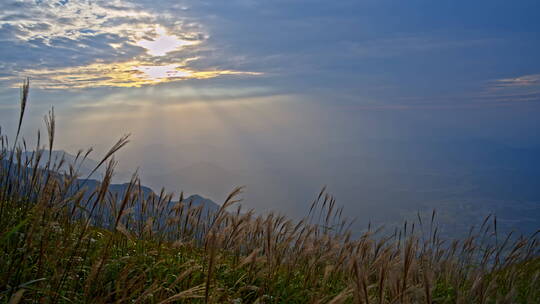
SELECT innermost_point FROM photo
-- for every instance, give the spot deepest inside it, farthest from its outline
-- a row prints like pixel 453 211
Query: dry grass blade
pixel 191 293
pixel 17 297
pixel 341 297
pixel 25 89
pixel 124 140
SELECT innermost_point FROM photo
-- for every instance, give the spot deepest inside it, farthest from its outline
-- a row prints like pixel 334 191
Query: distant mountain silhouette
pixel 85 167
pixel 196 200
pixel 201 177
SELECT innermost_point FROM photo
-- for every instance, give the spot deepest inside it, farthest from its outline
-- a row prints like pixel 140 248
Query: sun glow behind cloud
pixel 156 72
pixel 121 74
pixel 163 43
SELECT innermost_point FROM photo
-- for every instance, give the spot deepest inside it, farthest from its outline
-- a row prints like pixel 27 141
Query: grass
pixel 61 242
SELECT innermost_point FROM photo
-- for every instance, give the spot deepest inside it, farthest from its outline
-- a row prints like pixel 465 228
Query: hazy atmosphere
pixel 270 151
pixel 395 106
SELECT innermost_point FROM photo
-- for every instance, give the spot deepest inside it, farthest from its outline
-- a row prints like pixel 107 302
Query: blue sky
pixel 264 82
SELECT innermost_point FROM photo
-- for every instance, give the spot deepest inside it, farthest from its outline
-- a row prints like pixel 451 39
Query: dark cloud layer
pixel 414 49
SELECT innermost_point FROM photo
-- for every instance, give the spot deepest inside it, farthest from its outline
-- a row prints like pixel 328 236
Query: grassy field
pixel 59 243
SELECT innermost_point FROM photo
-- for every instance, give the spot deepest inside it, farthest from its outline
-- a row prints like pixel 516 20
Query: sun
pixel 163 43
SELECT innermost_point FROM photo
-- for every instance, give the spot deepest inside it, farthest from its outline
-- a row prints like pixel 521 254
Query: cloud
pixel 521 81
pixel 337 52
pixel 114 43
pixel 508 91
pixel 132 73
pixel 50 21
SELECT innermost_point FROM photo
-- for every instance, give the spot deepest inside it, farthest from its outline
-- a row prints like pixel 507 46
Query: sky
pixel 281 96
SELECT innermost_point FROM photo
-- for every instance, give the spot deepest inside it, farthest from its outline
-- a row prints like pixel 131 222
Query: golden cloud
pixel 131 73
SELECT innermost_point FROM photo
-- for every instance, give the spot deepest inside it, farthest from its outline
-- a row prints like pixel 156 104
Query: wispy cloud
pixel 514 90
pixel 521 81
